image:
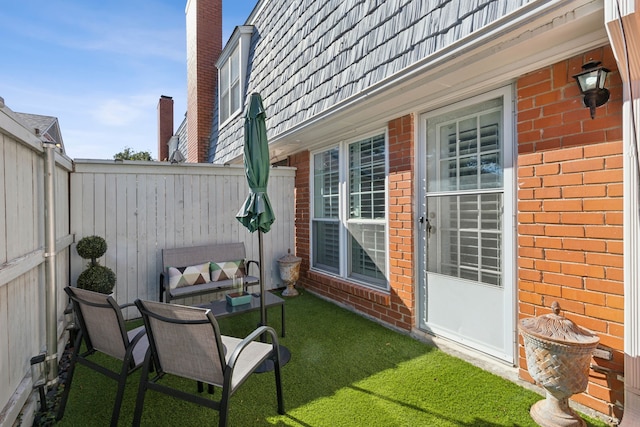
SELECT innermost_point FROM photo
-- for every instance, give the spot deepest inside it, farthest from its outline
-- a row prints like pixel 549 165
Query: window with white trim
pixel 230 86
pixel 232 71
pixel 349 222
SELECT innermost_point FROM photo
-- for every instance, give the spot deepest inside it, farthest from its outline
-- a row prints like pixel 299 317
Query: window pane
pixel 224 107
pixel 326 245
pixel 367 178
pixel 325 184
pixel 224 78
pixel 368 253
pixel 234 61
pixel 235 97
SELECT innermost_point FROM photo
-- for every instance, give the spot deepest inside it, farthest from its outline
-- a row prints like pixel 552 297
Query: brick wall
pixel 570 213
pixel 204 45
pixel 397 306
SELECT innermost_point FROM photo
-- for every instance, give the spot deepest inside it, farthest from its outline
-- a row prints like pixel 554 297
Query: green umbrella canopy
pixel 256 212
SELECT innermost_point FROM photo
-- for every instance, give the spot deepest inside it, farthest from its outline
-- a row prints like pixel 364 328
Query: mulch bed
pixel 47 416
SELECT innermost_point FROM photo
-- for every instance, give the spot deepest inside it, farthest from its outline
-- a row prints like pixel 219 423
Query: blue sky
pixel 99 66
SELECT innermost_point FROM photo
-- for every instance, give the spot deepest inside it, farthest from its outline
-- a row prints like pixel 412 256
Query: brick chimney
pixel 204 45
pixel 165 126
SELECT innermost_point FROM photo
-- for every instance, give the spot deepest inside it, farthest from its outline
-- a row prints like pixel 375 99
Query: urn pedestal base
pixel 554 412
pixel 290 291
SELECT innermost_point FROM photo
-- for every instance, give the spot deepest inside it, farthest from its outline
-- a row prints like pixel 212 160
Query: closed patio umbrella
pixel 256 212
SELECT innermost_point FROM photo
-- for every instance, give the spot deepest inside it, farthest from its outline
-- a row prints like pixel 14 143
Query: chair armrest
pixel 248 339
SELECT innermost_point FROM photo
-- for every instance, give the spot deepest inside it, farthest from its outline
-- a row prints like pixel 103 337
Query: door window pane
pixel 466 149
pixel 467 236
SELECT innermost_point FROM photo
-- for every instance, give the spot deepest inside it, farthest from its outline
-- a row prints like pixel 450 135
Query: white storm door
pixel 468 285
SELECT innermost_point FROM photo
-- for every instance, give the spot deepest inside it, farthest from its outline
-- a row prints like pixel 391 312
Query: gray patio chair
pixel 102 329
pixel 186 342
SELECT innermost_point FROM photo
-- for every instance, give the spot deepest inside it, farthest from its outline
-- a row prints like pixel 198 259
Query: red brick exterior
pixel 165 126
pixel 204 45
pixel 569 219
pixel 396 307
pixel 570 213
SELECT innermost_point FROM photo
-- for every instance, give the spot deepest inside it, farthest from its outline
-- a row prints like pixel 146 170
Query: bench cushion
pixel 210 287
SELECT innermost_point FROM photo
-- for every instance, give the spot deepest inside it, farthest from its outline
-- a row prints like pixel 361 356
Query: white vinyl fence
pixel 22 260
pixel 140 208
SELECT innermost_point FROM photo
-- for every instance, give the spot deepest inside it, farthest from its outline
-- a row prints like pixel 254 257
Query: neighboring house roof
pixel 181 133
pixel 46 128
pixel 312 58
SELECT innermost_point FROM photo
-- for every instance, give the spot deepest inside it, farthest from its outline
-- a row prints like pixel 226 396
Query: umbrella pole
pixel 263 309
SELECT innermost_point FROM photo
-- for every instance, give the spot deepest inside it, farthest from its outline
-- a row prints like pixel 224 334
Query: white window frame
pixel 345 270
pixel 236 49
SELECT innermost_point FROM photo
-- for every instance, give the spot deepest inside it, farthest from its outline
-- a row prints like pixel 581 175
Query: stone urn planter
pixel 558 355
pixel 290 273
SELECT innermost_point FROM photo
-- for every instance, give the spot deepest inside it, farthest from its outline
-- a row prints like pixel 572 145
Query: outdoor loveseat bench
pixel 198 270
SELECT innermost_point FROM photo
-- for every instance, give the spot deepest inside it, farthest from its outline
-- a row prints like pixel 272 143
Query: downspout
pixel 51 315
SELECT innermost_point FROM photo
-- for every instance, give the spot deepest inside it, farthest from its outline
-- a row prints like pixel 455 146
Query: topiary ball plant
pixel 96 277
pixel 91 247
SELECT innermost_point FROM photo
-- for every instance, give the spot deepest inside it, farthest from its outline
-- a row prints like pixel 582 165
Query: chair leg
pixel 67 384
pixel 276 370
pixel 224 407
pixel 142 388
pixel 122 382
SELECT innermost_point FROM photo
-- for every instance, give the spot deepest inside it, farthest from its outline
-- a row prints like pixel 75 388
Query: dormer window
pixel 232 70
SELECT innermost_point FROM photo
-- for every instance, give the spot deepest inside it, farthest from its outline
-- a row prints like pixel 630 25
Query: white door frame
pixel 508 353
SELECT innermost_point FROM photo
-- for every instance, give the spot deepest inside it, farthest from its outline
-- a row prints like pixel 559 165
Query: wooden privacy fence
pixel 141 208
pixel 23 257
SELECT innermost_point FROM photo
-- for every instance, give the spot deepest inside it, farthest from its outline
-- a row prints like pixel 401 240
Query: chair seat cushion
pixel 140 349
pixel 252 356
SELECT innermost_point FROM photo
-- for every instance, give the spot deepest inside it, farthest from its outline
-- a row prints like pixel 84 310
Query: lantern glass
pixel 588 80
pixel 592 77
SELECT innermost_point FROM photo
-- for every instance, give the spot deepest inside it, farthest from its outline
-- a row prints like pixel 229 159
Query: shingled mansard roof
pixel 307 56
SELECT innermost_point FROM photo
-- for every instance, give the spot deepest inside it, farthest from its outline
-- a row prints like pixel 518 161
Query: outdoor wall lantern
pixel 591 82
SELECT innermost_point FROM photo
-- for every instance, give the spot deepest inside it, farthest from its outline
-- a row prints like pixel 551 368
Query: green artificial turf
pixel 344 371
